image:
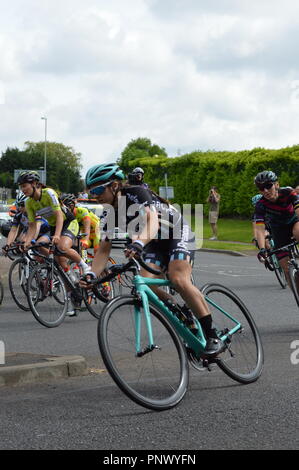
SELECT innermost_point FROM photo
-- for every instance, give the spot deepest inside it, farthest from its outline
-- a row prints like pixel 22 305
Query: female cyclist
pixel 158 231
pixel 43 202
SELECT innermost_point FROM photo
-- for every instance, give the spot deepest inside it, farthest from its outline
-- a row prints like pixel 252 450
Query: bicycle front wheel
pixel 243 358
pixel 17 281
pixel 47 295
pixel 294 278
pixel 279 272
pixel 157 378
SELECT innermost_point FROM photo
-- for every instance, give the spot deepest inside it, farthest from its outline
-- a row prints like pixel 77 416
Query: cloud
pixel 187 74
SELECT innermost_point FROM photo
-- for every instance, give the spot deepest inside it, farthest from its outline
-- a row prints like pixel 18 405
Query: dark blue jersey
pixel 279 212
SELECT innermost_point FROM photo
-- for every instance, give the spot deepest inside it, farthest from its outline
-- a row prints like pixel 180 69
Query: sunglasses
pixel 266 186
pixel 98 190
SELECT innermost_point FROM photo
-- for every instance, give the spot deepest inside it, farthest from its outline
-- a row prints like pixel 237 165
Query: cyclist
pixel 174 253
pixel 136 177
pixel 19 225
pixel 43 202
pixel 279 207
pixel 88 222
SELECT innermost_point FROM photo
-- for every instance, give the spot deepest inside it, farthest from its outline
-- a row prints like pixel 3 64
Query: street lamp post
pixel 45 155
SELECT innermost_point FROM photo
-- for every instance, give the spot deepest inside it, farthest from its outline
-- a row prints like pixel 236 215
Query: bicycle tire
pixel 47 296
pixel 18 285
pixel 244 357
pixel 279 272
pixel 132 374
pixel 294 279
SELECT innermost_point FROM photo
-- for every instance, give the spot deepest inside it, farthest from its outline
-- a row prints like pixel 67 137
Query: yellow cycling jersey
pixel 82 213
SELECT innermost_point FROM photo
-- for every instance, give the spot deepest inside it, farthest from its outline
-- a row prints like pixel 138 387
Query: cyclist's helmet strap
pixel 28 176
pixel 263 177
pixel 103 173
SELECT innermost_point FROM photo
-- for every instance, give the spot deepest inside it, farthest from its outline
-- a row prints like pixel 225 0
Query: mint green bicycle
pixel 147 347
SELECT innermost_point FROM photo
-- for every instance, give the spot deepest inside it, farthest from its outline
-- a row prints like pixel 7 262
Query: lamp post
pixel 45 155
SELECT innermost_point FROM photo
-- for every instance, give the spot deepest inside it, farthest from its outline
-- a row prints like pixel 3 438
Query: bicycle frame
pixel 196 342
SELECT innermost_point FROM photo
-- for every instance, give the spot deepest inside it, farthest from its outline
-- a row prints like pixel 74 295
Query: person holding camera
pixel 136 178
pixel 214 201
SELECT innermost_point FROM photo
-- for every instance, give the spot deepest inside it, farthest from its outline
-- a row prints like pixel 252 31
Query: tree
pixel 63 164
pixel 137 149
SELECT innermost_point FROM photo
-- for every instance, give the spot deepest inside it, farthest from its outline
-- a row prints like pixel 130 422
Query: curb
pixel 52 367
pixel 225 252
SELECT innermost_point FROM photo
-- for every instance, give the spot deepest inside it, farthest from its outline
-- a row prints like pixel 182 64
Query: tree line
pixel 63 165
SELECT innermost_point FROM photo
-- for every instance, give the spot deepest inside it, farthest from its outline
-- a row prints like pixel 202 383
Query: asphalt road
pixel 217 413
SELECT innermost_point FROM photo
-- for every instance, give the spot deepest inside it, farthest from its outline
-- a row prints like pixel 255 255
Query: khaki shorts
pixel 213 217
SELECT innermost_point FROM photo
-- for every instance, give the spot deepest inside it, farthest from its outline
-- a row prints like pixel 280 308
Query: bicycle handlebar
pixel 132 265
pixel 283 248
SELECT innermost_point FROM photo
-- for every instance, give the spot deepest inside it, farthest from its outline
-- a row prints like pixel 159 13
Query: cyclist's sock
pixel 84 266
pixel 206 324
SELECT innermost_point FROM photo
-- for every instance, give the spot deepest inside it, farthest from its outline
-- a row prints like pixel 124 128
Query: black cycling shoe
pixel 213 347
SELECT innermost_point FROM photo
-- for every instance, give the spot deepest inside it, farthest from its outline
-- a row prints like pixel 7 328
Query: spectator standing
pixel 214 201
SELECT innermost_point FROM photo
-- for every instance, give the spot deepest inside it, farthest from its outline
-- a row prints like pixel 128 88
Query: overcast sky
pixel 188 74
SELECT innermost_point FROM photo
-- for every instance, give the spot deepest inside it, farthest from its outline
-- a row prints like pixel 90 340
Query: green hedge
pixel 233 173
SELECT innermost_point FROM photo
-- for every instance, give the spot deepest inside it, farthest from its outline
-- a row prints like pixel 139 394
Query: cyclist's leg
pixel 296 235
pixel 282 236
pixel 65 245
pixel 157 258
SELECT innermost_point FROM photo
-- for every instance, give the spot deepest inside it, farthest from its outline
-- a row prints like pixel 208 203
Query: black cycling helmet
pixel 265 177
pixel 28 176
pixel 68 199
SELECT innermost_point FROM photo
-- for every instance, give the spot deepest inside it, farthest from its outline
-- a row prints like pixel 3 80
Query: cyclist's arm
pixel 12 234
pixel 86 227
pixel 30 234
pixel 59 223
pixel 38 226
pixel 101 257
pixel 151 227
pixel 260 235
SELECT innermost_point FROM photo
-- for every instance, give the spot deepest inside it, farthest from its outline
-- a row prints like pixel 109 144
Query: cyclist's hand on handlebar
pixel 86 279
pixel 55 239
pixel 133 249
pixel 4 250
pixel 262 255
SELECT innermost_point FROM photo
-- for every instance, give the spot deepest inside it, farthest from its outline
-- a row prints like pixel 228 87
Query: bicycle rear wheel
pixel 158 379
pixel 243 359
pixel 294 278
pixel 47 295
pixel 17 281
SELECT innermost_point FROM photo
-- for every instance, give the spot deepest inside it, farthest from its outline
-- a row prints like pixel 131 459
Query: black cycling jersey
pixel 174 238
pixel 278 213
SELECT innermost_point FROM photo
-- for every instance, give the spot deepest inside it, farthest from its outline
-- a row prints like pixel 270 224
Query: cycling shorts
pixel 69 229
pixel 282 235
pixel 162 252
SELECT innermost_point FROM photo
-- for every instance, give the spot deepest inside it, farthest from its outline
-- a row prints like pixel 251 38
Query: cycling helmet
pixel 5 228
pixel 68 199
pixel 103 173
pixel 28 176
pixel 265 177
pixel 20 199
pixel 138 170
pixel 256 198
